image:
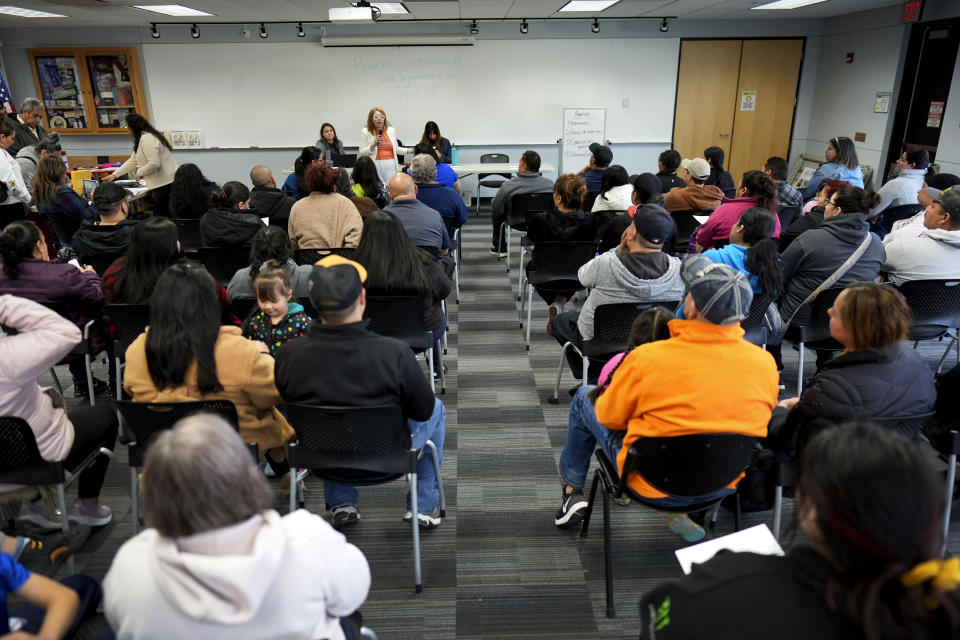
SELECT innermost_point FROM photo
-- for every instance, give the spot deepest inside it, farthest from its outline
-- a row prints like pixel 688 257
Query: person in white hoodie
pixel 911 169
pixel 217 562
pixel 616 191
pixel 636 271
pixel 934 254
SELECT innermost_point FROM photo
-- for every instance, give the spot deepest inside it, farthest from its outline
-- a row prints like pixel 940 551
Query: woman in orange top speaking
pixel 378 140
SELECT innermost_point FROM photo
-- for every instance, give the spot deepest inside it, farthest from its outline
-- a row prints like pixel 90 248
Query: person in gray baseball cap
pixel 721 294
pixel 933 253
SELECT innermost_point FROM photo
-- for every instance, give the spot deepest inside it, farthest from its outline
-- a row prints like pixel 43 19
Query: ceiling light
pixel 474 29
pixel 524 27
pixel 194 31
pixel 300 32
pixel 153 30
pixel 664 26
pixel 591 6
pixel 395 8
pixel 787 4
pixel 596 26
pixel 263 30
pixel 20 12
pixel 171 9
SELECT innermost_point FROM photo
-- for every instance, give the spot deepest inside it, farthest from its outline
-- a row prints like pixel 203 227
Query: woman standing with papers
pixel 378 141
pixel 153 161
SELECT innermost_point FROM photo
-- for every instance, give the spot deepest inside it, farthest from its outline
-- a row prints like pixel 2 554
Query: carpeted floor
pixel 497 567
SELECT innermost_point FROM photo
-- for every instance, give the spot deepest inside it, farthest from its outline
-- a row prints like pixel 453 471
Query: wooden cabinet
pixel 88 91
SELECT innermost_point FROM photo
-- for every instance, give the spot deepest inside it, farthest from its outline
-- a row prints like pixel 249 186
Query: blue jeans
pixel 584 433
pixel 339 495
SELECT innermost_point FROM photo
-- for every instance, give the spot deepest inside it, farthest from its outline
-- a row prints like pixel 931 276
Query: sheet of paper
pixel 756 539
pixel 700 219
pixel 265 220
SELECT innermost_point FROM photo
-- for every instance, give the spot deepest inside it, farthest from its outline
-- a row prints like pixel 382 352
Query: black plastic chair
pixel 686 225
pixel 22 464
pixel 128 322
pixel 811 328
pixel 951 459
pixel 892 214
pixel 589 199
pixel 145 420
pixel 482 178
pixel 557 264
pixel 610 230
pixel 358 446
pixel 312 256
pixel 688 466
pixel 188 233
pixel 611 330
pixel 224 262
pixel 936 311
pixel 64 225
pixel 99 261
pixel 401 317
pixel 82 349
pixel 522 207
pixel 754 325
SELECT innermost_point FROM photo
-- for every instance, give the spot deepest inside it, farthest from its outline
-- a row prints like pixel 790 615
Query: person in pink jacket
pixel 756 190
pixel 35 338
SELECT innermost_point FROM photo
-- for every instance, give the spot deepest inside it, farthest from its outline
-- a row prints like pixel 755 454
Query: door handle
pixel 724 135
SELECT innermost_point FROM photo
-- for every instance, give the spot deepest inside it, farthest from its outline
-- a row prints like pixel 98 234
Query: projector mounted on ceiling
pixel 360 13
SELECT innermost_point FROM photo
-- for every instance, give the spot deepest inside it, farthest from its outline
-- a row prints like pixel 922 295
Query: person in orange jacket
pixel 704 378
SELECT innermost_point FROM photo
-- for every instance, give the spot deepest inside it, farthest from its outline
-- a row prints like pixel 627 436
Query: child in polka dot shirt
pixel 277 320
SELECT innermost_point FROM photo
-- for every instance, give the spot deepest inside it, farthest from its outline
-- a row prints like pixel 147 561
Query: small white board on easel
pixel 581 128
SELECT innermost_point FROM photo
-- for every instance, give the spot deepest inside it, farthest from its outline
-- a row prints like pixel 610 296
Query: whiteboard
pixel 581 128
pixel 276 94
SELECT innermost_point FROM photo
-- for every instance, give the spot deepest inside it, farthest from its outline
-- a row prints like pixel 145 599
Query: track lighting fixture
pixel 664 26
pixel 300 32
pixel 194 31
pixel 154 33
pixel 524 27
pixel 596 26
pixel 473 28
pixel 263 30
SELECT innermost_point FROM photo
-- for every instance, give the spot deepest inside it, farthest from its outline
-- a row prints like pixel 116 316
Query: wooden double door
pixel 738 95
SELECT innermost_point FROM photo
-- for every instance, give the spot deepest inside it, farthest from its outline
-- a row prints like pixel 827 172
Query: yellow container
pixel 77 176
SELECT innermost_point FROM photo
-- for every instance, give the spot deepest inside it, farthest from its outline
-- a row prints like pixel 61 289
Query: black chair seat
pixel 312 256
pixel 188 233
pixel 64 225
pixel 224 262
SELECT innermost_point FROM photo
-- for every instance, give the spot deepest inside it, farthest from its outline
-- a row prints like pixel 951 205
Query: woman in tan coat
pixel 185 355
pixel 325 219
pixel 153 160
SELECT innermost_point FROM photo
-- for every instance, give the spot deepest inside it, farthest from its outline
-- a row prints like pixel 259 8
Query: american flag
pixel 5 94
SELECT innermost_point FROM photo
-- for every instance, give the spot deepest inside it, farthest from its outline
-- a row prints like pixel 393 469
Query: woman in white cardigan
pixel 378 140
pixel 153 160
pixel 12 207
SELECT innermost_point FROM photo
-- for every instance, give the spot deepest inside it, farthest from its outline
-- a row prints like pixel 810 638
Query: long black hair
pixel 308 155
pixel 184 326
pixel 231 194
pixel 394 264
pixel 714 155
pixel 17 241
pixel 878 505
pixel 365 174
pixel 138 125
pixel 431 128
pixel 613 176
pixel 760 186
pixel 191 193
pixel 270 243
pixel 851 199
pixel 763 256
pixel 153 248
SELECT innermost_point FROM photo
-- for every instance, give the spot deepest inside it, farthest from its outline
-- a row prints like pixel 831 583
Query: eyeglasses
pixel 832 204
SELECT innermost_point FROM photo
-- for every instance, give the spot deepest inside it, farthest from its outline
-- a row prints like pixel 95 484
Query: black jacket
pixel 24 137
pixel 669 181
pixel 272 203
pixel 745 596
pixel 885 383
pixel 812 220
pixel 95 240
pixel 724 181
pixel 816 254
pixel 351 365
pixel 229 228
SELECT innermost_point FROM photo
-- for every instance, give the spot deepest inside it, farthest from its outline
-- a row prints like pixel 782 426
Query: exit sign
pixel 912 10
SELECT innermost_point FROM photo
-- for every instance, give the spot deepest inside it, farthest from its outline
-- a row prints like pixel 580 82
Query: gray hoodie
pixel 27 159
pixel 611 282
pixel 933 254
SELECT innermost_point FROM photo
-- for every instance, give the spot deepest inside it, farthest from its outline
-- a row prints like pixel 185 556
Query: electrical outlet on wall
pixel 859 136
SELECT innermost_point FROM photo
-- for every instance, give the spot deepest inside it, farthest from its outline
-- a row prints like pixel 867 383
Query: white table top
pixel 468 168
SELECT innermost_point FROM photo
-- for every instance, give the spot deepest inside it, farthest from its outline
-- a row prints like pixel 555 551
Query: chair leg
pixel 417 580
pixel 522 298
pixel 443 305
pixel 294 488
pixel 586 369
pixel 585 523
pixel 436 468
pixel 800 372
pixel 429 356
pixel 443 376
pixel 529 314
pixel 777 509
pixel 951 478
pixel 56 380
pixel 714 512
pixel 65 523
pixel 456 276
pixel 134 501
pixel 737 514
pixel 942 358
pixel 556 387
pixel 523 250
pixel 608 555
pixel 509 239
pixel 87 363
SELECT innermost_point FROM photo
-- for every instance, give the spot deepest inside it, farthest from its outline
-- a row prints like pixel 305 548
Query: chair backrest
pixel 690 466
pixel 892 214
pixel 493 158
pixel 686 224
pixel 935 305
pixel 64 225
pixel 561 260
pixel 523 205
pixel 612 322
pixel 757 313
pixel 147 419
pixel 589 199
pixel 20 459
pixel 311 256
pixel 399 317
pixel 335 438
pixel 813 315
pixel 243 307
pixel 911 426
pixel 188 233
pixel 129 321
pixel 100 262
pixel 611 228
pixel 223 262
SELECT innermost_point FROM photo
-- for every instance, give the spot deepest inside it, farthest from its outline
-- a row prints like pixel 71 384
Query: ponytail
pixel 16 245
pixel 232 193
pixel 763 256
pixel 850 199
pixel 760 186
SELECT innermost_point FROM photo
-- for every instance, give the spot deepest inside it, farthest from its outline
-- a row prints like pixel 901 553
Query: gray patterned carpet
pixel 497 567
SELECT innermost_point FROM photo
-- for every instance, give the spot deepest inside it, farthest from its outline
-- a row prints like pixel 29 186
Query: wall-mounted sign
pixel 748 101
pixel 882 105
pixel 935 115
pixel 912 10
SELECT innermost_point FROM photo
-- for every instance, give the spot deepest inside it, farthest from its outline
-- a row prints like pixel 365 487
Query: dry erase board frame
pixel 275 94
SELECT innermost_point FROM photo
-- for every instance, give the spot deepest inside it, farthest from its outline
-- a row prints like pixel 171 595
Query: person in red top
pixel 704 378
pixel 756 190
